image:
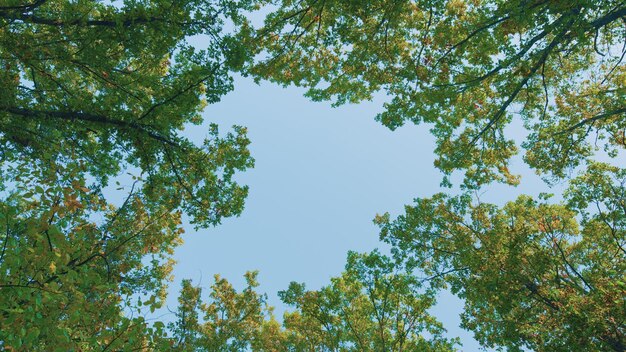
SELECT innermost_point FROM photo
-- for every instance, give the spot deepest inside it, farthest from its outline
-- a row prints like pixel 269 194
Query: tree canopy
pixel 113 86
pixel 532 274
pixel 372 306
pixel 96 92
pixel 488 78
pixel 468 69
pixel 88 92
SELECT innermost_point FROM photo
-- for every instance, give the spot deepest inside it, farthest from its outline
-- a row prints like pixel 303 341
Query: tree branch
pixel 27 7
pixel 88 117
pixel 591 120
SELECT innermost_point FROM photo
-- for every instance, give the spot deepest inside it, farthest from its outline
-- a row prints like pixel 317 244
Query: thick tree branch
pixel 88 117
pixel 27 7
pixel 593 119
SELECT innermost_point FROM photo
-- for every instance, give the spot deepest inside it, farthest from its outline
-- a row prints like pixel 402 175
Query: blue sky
pixel 321 175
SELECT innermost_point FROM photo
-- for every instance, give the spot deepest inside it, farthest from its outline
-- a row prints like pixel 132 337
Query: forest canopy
pixel 467 69
pixel 94 91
